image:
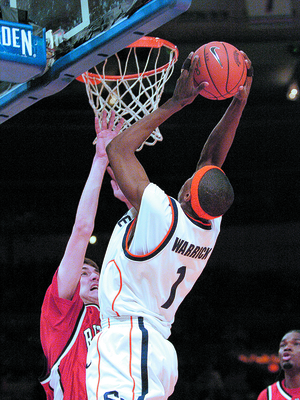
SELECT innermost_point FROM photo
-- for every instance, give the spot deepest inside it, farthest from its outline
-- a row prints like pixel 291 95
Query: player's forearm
pixel 129 173
pixel 233 113
pixel 88 204
pixel 133 137
pixel 221 138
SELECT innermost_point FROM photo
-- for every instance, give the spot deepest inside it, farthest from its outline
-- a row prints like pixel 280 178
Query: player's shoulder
pixel 154 197
pixel 263 395
pixel 92 307
pixel 273 391
pixel 152 189
pixel 216 222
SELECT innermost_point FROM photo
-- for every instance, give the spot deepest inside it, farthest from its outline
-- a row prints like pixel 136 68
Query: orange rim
pixel 145 41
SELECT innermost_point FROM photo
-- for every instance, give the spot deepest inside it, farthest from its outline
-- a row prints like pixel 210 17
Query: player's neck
pixel 292 380
pixel 189 211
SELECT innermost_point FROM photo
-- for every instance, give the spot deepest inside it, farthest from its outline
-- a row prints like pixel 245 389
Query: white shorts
pixel 130 360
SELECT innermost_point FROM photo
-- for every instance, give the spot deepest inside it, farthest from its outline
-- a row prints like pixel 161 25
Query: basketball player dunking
pixel 157 252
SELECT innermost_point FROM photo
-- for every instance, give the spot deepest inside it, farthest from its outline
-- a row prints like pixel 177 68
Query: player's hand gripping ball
pixel 223 67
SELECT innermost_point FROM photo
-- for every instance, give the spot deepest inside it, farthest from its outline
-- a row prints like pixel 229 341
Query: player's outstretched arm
pixel 129 173
pixel 116 189
pixel 221 138
pixel 69 271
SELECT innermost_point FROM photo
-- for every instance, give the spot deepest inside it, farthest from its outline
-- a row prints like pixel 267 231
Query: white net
pixel 132 81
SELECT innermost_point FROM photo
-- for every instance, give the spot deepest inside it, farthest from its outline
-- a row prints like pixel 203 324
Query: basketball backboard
pixel 81 34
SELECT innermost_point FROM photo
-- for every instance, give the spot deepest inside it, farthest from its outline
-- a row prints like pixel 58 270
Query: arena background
pixel 227 330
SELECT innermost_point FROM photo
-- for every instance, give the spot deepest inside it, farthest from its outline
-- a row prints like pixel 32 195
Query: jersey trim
pixel 269 392
pixel 71 340
pixel 119 291
pixel 161 245
pixel 144 357
pixel 200 224
pixel 278 385
pixel 283 392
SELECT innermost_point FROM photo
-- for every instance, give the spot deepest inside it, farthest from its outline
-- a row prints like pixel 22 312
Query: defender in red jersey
pixel 70 312
pixel 289 357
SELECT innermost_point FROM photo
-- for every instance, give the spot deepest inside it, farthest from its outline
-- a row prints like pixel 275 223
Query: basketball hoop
pixel 132 81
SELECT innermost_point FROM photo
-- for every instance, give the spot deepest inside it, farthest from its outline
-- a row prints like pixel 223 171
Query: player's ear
pixel 187 196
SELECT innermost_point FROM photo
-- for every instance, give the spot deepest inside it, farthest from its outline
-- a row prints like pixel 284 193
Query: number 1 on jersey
pixel 181 272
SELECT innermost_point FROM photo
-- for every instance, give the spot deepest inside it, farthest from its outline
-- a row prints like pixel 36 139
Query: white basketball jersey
pixel 150 274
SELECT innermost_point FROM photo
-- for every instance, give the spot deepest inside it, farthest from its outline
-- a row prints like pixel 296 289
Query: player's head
pixel 89 282
pixel 209 192
pixel 88 261
pixel 289 351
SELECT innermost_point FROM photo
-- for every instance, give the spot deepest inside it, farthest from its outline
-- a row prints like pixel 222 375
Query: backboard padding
pixel 95 50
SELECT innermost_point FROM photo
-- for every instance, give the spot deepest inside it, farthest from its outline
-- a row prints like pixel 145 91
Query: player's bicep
pixel 153 222
pixel 131 177
pixel 70 268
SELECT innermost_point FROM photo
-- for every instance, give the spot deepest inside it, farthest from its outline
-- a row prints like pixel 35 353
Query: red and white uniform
pixel 142 283
pixel 278 391
pixel 67 328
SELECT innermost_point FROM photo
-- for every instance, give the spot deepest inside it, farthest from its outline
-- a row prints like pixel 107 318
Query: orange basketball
pixel 223 67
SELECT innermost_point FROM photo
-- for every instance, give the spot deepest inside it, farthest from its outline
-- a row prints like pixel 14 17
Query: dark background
pixel 248 296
